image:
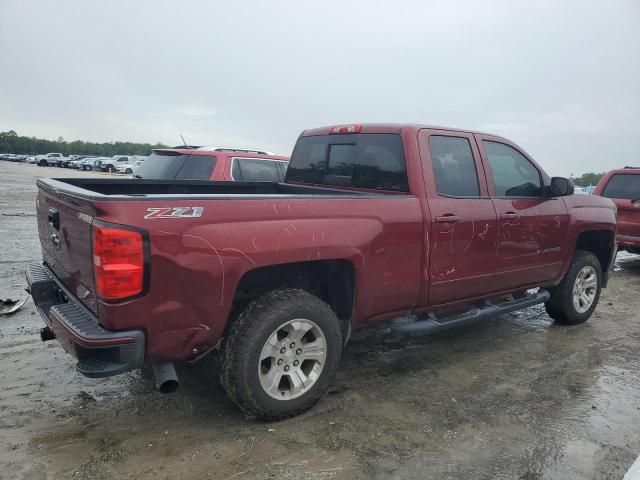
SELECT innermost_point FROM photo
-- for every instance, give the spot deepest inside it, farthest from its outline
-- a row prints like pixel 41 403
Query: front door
pixel 462 230
pixel 533 228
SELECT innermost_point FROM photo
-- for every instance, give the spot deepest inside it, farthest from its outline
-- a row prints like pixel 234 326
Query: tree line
pixel 587 179
pixel 11 142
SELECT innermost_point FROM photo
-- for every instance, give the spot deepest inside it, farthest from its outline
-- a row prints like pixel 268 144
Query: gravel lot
pixel 513 398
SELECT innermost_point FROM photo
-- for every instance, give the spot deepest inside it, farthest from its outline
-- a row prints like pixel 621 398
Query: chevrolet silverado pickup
pixel 405 228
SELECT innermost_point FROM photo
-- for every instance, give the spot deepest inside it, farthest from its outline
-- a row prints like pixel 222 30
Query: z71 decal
pixel 173 212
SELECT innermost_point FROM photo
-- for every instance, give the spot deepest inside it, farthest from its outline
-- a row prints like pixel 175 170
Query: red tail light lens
pixel 118 262
pixel 354 128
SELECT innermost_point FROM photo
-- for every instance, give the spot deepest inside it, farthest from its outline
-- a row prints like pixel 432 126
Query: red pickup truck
pixel 412 228
pixel 623 188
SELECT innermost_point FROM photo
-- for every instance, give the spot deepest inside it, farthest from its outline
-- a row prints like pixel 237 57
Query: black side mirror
pixel 560 187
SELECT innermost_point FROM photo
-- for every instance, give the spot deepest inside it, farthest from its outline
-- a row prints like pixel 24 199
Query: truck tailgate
pixel 64 227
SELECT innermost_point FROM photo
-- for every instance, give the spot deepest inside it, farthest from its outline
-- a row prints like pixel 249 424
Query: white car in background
pixel 131 166
pixel 49 159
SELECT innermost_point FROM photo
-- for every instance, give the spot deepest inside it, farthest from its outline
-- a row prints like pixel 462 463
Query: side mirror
pixel 560 187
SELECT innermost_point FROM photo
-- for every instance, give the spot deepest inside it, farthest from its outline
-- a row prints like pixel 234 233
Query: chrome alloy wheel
pixel 585 288
pixel 292 359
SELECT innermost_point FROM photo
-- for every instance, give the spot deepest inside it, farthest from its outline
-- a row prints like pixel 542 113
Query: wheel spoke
pixel 298 381
pixel 271 348
pixel 272 380
pixel 585 300
pixel 591 282
pixel 297 330
pixel 314 351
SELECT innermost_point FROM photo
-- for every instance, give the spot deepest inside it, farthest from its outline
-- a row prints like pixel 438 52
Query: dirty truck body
pixel 373 223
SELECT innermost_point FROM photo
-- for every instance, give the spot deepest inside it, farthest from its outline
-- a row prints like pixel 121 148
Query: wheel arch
pixel 333 281
pixel 602 244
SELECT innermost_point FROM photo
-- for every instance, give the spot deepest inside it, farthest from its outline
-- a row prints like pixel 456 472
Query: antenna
pixel 185 143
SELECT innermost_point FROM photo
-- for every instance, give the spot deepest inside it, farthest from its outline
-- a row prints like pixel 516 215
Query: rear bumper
pixel 100 352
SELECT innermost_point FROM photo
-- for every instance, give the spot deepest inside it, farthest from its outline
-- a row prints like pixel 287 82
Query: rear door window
pixel 453 166
pixel 373 161
pixel 255 170
pixel 623 186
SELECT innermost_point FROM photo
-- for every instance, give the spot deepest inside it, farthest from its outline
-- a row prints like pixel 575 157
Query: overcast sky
pixel 561 78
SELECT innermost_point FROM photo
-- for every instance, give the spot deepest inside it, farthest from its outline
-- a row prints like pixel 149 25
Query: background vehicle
pixel 623 187
pixel 76 162
pixel 94 163
pixel 220 164
pixel 113 162
pixel 49 159
pixel 439 227
pixel 133 164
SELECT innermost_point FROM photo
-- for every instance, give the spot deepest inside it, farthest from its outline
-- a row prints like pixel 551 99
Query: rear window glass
pixel 176 167
pixel 196 167
pixel 623 186
pixel 367 160
pixel 256 170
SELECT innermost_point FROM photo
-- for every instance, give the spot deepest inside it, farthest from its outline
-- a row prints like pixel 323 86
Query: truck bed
pixel 98 189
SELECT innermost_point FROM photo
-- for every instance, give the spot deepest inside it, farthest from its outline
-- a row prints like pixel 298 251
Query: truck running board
pixel 489 310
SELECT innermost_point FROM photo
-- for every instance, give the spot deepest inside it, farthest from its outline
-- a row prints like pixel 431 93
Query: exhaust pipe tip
pixel 47 334
pixel 166 377
pixel 169 386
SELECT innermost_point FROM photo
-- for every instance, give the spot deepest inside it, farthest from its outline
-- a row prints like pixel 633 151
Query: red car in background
pixel 216 164
pixel 623 187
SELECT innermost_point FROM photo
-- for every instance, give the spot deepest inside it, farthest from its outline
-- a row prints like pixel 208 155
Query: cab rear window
pixel 373 161
pixel 623 186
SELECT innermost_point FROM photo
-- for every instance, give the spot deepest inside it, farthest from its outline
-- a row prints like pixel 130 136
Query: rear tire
pixel 575 298
pixel 281 354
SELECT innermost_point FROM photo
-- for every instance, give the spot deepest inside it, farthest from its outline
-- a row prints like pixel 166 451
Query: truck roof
pixel 387 128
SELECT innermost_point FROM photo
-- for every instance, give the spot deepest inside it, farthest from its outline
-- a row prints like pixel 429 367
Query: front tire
pixel 281 354
pixel 575 298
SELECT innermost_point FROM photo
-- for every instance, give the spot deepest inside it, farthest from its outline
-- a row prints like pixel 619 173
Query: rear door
pixel 532 228
pixel 624 190
pixel 463 224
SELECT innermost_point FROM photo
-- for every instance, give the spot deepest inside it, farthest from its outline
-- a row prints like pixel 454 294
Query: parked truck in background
pixel 407 228
pixel 622 186
pixel 49 159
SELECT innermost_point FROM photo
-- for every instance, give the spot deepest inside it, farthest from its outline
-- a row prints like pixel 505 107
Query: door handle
pixel 509 215
pixel 448 218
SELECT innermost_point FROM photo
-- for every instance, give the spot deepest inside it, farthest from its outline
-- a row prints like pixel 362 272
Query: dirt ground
pixel 513 398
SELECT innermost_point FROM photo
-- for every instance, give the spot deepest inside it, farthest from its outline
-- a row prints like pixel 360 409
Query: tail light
pixel 118 262
pixel 353 128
